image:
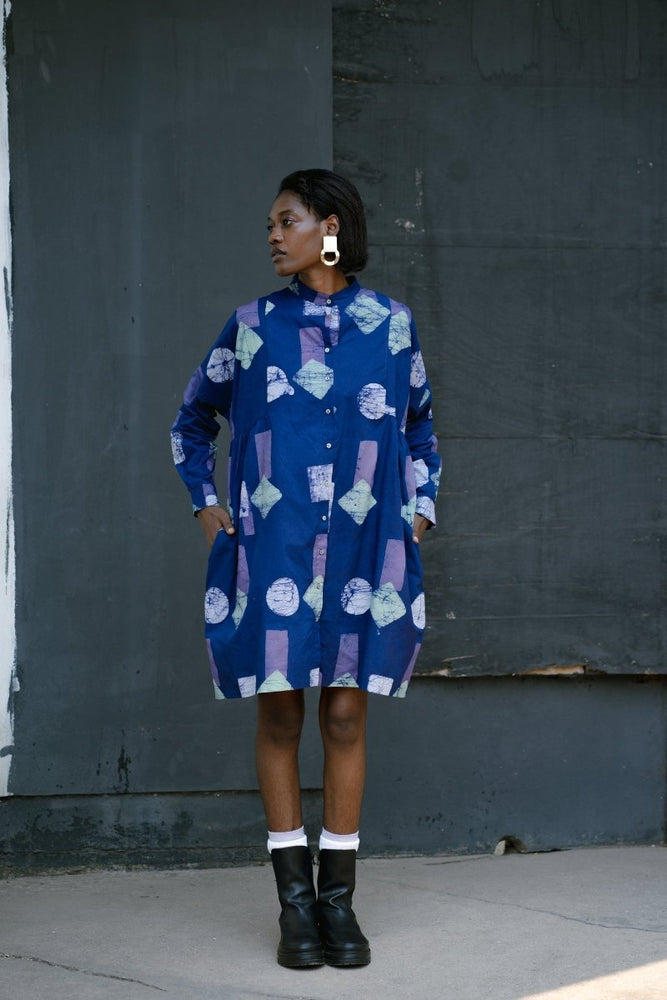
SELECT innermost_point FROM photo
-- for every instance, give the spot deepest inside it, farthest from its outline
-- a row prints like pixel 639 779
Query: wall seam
pixel 8 678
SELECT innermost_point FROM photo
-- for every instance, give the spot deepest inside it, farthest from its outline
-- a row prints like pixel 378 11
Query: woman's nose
pixel 274 235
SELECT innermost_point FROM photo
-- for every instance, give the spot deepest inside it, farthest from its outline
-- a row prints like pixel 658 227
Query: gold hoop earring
pixel 329 245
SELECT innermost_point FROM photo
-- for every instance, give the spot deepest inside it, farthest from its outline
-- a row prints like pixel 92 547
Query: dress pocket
pixel 221 578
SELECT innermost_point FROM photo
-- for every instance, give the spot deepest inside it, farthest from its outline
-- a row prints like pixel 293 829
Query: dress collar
pixel 340 298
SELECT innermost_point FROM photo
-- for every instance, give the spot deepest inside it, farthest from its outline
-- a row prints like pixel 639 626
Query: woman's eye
pixel 287 222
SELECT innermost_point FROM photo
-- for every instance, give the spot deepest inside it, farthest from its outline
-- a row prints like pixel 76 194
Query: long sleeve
pixel 422 442
pixel 194 432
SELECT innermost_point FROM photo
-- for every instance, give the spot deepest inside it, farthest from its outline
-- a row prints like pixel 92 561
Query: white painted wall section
pixel 8 679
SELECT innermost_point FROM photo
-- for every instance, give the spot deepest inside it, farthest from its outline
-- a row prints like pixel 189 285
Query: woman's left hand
pixel 419 526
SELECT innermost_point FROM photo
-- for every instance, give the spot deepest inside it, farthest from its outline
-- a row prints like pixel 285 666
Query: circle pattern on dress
pixel 283 596
pixel 356 596
pixel 419 611
pixel 216 606
pixel 220 367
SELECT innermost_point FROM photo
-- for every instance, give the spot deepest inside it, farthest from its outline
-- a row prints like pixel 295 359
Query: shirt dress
pixel 332 453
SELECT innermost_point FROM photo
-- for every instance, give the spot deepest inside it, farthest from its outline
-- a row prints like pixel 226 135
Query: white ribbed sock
pixel 286 838
pixel 339 841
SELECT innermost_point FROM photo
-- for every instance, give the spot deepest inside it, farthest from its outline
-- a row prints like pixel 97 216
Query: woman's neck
pixel 322 279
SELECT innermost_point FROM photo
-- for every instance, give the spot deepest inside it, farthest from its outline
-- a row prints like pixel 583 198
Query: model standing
pixel 314 575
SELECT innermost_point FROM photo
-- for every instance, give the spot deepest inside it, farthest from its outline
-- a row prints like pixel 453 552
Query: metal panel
pixel 148 139
pixel 510 158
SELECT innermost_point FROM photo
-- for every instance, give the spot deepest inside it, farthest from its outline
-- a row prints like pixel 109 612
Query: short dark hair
pixel 325 193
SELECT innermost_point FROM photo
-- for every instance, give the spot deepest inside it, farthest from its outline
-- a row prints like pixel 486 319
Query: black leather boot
pixel 343 942
pixel 300 944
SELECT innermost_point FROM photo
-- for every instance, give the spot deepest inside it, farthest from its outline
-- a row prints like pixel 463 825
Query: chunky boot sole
pixel 289 959
pixel 341 958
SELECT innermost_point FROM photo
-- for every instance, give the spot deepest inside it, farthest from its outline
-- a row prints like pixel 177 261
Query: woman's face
pixel 295 235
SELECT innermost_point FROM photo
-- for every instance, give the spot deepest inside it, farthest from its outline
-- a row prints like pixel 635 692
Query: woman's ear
pixel 331 226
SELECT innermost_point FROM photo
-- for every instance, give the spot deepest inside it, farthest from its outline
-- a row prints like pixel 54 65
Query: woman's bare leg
pixel 279 723
pixel 343 726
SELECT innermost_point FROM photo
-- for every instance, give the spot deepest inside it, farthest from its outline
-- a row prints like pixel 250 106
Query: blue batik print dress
pixel 332 453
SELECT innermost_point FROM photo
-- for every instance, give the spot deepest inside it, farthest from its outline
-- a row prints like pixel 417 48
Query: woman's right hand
pixel 213 520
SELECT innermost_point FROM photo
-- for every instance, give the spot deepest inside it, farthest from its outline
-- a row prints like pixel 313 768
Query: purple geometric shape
pixel 248 314
pixel 214 665
pixel 312 344
pixel 410 483
pixel 397 307
pixel 393 570
pixel 193 386
pixel 242 572
pixel 276 647
pixel 319 555
pixel 366 462
pixel 411 665
pixel 348 656
pixel 263 446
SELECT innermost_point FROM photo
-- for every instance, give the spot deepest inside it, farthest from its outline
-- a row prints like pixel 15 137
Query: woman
pixel 314 576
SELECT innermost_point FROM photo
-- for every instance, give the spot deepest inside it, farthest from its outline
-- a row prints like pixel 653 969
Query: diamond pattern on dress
pixel 265 496
pixel 367 313
pixel 358 501
pixel 399 332
pixel 386 605
pixel 248 342
pixel 314 597
pixel 315 378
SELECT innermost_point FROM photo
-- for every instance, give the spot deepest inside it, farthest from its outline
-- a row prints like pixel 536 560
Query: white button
pixel 328 410
pixel 321 552
pixel 328 302
pixel 324 517
pixel 328 444
pixel 326 350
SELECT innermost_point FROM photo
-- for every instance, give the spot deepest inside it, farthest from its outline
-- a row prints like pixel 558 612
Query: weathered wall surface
pixel 512 156
pixel 147 142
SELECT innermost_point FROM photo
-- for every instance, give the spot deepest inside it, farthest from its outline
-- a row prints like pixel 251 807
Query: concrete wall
pixel 510 165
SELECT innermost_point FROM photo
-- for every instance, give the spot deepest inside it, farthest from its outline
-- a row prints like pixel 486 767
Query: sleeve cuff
pixel 426 508
pixel 210 500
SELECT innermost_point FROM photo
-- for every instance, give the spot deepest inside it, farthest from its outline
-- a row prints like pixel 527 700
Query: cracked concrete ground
pixel 575 925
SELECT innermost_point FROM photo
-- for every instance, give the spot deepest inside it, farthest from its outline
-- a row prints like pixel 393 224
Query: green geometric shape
pixel 346 681
pixel 314 596
pixel 358 501
pixel 274 682
pixel 408 511
pixel 248 342
pixel 239 607
pixel 315 378
pixel 367 313
pixel 265 496
pixel 399 332
pixel 386 605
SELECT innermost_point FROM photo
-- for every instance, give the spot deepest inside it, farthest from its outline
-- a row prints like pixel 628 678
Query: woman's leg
pixel 343 727
pixel 279 723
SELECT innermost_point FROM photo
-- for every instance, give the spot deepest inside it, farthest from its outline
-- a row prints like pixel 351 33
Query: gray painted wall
pixel 509 165
pixel 512 156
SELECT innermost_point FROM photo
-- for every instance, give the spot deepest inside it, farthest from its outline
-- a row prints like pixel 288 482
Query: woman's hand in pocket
pixel 213 520
pixel 419 528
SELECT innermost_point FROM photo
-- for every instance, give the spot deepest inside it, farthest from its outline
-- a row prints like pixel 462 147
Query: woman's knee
pixel 343 716
pixel 280 716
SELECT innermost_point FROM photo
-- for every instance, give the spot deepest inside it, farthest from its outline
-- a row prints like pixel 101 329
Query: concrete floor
pixel 574 925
